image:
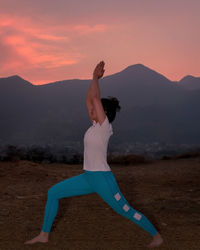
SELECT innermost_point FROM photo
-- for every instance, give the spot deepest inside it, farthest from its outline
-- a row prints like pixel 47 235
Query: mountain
pixel 153 109
pixel 190 82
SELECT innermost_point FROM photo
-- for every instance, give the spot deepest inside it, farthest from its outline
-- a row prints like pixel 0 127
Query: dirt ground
pixel 167 192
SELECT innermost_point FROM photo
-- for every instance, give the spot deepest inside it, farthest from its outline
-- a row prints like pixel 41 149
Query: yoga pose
pixel 97 177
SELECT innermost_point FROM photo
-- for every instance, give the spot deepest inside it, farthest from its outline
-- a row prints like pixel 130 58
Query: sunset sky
pixel 47 40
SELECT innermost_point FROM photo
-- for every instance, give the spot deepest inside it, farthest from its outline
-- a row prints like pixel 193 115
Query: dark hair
pixel 110 106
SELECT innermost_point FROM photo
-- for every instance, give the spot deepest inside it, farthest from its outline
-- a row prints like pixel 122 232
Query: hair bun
pixel 115 102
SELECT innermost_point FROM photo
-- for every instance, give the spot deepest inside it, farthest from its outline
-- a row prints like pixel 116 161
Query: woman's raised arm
pixel 94 90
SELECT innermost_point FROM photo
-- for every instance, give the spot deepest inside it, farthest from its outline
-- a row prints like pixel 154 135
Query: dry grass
pixel 167 192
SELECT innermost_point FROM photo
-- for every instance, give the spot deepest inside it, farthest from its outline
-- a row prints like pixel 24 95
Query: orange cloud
pixel 37 45
pixel 28 50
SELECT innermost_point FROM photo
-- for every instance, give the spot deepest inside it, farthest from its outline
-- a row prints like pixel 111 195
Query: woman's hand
pixel 99 70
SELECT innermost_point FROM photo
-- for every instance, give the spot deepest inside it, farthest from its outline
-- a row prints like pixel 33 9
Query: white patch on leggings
pixel 117 196
pixel 137 216
pixel 126 208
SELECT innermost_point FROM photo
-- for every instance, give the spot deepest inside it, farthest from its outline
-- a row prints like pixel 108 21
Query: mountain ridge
pixel 138 68
pixel 153 110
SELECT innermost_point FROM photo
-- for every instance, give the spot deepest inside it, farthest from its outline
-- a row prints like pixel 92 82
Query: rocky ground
pixel 165 191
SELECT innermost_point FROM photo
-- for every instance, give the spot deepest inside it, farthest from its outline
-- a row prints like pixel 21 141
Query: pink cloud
pixel 35 45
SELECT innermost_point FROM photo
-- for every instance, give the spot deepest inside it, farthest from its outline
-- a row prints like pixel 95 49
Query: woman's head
pixel 110 106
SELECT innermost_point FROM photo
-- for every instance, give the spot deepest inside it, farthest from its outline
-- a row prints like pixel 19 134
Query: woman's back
pixel 95 146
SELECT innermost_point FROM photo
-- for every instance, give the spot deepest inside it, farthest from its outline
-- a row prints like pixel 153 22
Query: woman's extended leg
pixel 107 188
pixel 74 186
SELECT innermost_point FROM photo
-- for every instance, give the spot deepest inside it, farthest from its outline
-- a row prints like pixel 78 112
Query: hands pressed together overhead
pixel 99 70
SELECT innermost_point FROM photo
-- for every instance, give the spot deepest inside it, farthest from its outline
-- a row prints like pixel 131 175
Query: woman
pixel 97 177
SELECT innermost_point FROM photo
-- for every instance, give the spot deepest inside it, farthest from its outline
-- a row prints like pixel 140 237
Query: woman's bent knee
pixel 51 191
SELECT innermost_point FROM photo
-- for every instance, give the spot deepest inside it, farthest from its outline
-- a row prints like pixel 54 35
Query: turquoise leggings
pixel 101 182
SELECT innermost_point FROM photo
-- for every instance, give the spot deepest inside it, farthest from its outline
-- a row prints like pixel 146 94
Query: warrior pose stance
pixel 97 177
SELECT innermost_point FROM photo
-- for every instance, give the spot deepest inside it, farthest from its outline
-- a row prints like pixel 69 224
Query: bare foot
pixel 42 237
pixel 157 241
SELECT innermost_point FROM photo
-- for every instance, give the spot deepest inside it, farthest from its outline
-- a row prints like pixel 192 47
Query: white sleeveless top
pixel 95 146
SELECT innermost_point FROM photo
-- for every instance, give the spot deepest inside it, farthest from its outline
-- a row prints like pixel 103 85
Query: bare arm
pixel 94 90
pixel 93 98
